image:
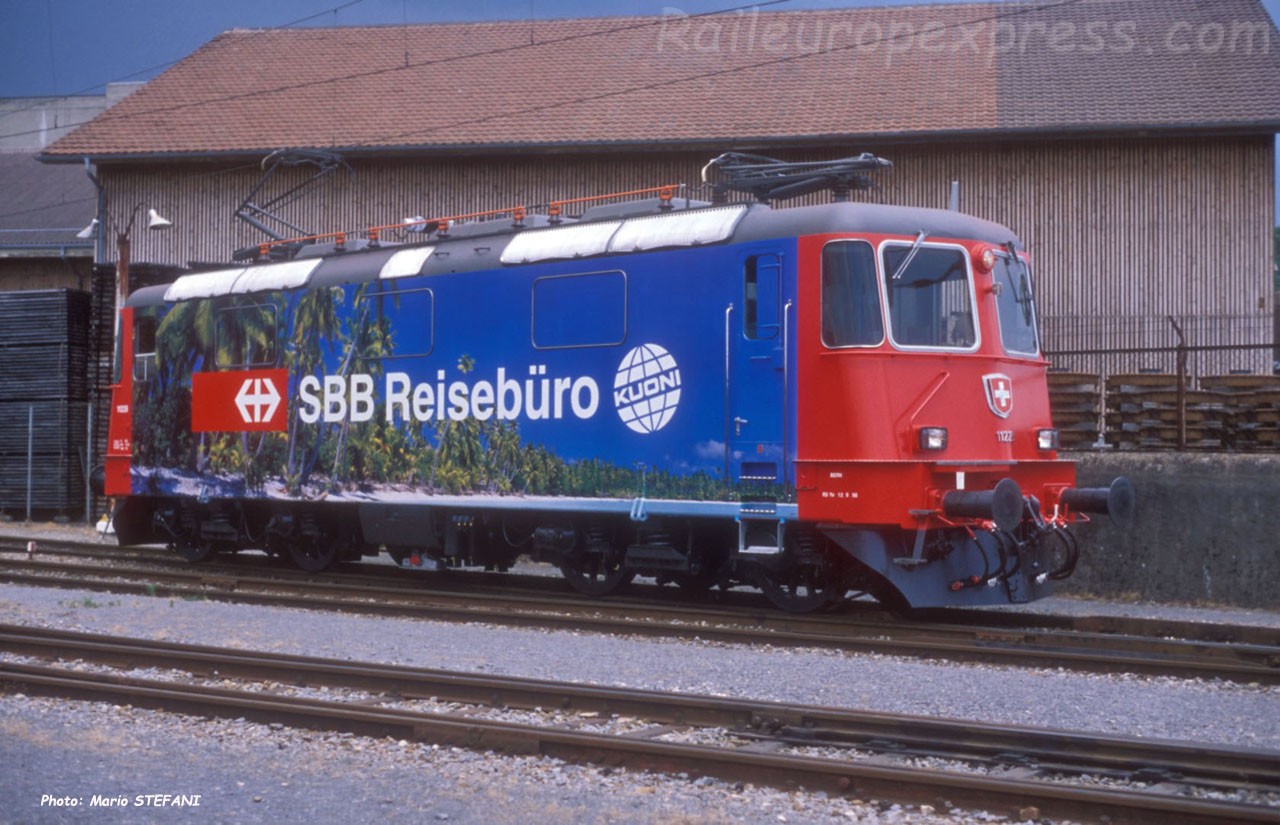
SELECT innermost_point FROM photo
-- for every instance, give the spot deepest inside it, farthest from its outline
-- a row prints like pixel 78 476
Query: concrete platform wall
pixel 1207 530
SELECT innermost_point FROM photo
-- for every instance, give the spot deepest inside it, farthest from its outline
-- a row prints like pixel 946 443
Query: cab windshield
pixel 930 302
pixel 1015 305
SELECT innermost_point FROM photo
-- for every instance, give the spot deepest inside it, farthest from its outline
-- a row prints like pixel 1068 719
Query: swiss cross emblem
pixel 236 402
pixel 999 389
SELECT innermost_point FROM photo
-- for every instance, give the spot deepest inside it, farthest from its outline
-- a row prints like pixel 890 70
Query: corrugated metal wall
pixel 1124 233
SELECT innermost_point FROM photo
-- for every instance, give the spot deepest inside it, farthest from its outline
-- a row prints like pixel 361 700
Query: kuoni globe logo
pixel 646 389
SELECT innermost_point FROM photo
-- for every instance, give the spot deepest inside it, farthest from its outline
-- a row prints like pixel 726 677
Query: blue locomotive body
pixel 666 370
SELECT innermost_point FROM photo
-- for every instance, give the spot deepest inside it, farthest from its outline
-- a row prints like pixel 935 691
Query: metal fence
pixel 1212 344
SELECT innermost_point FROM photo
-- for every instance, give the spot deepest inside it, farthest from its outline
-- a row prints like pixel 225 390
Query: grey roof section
pixel 1130 65
pixel 750 223
pixel 42 207
pixel 762 222
pixel 28 124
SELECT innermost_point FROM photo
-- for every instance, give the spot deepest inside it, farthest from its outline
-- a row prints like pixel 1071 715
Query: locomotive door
pixel 755 386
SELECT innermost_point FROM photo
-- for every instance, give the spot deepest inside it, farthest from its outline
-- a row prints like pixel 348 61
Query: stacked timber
pixel 1143 414
pixel 1255 404
pixel 44 390
pixel 1227 412
pixel 1075 400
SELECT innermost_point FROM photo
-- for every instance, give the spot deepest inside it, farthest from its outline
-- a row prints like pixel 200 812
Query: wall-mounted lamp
pixel 89 231
pixel 154 221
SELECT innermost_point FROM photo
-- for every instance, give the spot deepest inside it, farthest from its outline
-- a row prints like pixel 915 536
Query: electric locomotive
pixel 816 401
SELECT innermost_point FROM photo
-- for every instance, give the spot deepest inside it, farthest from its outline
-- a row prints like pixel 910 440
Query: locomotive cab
pixel 925 441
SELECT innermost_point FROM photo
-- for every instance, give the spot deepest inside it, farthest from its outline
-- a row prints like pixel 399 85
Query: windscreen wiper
pixel 1022 288
pixel 911 256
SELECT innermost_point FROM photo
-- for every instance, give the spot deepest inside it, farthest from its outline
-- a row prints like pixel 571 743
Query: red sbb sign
pixel 236 402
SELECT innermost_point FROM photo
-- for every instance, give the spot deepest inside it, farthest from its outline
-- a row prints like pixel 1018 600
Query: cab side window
pixel 851 314
pixel 144 345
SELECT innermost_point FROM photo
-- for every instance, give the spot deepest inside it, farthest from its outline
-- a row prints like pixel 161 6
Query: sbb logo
pixel 257 400
pixel 248 401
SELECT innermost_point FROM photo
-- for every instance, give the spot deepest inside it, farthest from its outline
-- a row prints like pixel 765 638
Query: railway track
pixel 763 742
pixel 484 583
pixel 403 594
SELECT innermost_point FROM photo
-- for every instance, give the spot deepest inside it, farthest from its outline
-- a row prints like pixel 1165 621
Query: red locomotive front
pixel 925 442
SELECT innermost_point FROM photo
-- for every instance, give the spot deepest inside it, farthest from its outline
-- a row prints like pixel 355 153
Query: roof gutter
pixel 1091 133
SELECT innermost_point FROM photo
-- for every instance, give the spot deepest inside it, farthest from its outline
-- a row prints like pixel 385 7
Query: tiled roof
pixel 1054 66
pixel 43 206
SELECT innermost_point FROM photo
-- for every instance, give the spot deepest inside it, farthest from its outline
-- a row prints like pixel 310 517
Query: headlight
pixel 1047 439
pixel 933 438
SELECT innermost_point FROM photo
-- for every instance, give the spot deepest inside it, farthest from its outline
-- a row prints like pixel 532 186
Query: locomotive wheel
pixel 802 582
pixel 802 590
pixel 313 553
pixel 595 574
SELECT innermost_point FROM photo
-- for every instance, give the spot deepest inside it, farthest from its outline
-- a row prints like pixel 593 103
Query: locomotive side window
pixel 761 288
pixel 587 310
pixel 1016 309
pixel 930 298
pixel 400 322
pixel 851 315
pixel 144 345
pixel 246 336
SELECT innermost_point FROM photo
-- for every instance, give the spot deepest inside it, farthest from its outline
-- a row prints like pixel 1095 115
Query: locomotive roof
pixel 613 234
pixel 763 222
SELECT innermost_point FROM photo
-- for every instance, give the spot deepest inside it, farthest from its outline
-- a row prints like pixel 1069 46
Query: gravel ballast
pixel 247 772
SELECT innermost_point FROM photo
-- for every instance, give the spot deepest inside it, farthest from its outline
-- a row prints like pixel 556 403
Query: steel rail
pixel 794 723
pixel 738 606
pixel 1016 648
pixel 784 771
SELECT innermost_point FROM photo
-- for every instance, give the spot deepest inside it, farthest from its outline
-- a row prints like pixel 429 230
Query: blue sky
pixel 60 47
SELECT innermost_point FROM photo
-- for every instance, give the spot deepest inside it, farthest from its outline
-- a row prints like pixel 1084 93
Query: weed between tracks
pixel 88 601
